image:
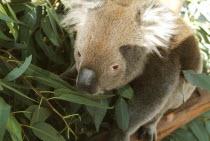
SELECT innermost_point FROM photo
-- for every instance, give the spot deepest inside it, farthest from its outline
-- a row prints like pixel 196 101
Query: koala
pixel 136 42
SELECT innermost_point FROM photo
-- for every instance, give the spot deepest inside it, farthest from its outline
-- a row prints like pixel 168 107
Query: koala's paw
pixel 148 133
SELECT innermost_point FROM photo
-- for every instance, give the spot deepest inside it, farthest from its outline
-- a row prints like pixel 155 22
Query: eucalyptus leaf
pixel 14 129
pixel 17 72
pixel 4 37
pixel 49 31
pixel 81 100
pixel 16 91
pixel 6 18
pixel 46 132
pixel 122 113
pixel 98 114
pixel 48 82
pixel 40 115
pixel 126 92
pixel 199 80
pixel 49 52
pixel 90 96
pixel 185 135
pixel 4 115
pixel 12 45
pixel 45 75
pixel 207 125
pixel 198 131
pixel 30 110
pixel 1 88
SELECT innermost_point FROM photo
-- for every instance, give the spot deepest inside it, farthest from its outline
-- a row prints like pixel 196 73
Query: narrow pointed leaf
pixel 200 80
pixel 49 52
pixel 4 37
pixel 46 132
pixel 14 129
pixel 126 92
pixel 6 18
pixel 98 114
pixel 16 91
pixel 122 113
pixel 81 100
pixel 1 88
pixel 4 115
pixel 90 96
pixel 40 115
pixel 17 72
pixel 49 31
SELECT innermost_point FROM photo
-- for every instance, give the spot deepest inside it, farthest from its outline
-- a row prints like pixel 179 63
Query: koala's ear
pixel 132 55
pixel 158 24
pixel 77 12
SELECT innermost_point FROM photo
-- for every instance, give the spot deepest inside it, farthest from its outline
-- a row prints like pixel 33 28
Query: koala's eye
pixel 115 67
pixel 79 54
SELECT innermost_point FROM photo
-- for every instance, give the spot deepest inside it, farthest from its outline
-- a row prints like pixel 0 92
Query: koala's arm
pixel 152 90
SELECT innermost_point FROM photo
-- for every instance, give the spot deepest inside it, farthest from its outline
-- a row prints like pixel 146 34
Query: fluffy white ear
pixel 158 25
pixel 77 11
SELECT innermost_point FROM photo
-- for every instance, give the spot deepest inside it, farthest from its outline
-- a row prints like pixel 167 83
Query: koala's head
pixel 114 39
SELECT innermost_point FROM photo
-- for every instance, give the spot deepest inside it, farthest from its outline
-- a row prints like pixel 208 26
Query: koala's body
pixel 138 42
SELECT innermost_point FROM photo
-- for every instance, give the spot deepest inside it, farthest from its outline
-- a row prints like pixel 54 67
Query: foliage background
pixel 38 103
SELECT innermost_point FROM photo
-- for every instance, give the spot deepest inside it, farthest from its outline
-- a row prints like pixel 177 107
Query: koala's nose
pixel 86 80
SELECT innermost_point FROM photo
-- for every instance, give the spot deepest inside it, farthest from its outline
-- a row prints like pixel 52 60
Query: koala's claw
pixel 149 134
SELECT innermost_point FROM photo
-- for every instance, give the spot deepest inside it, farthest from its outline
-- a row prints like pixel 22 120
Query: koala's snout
pixel 86 80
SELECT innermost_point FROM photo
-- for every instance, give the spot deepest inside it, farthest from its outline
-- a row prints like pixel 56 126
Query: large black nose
pixel 86 80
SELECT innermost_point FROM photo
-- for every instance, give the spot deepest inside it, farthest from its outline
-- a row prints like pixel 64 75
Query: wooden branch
pixel 195 106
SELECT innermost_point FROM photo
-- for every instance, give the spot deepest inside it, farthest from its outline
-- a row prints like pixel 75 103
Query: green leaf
pixel 126 92
pixel 17 72
pixel 49 31
pixel 206 115
pixel 49 82
pixel 122 113
pixel 49 52
pixel 15 85
pixel 1 88
pixel 16 91
pixel 46 132
pixel 30 110
pixel 198 130
pixel 9 22
pixel 4 115
pixel 30 17
pixel 45 76
pixel 207 125
pixel 199 80
pixel 204 35
pixel 98 114
pixel 12 12
pixel 14 129
pixel 81 100
pixel 12 45
pixel 6 18
pixel 185 135
pixel 90 96
pixel 4 37
pixel 40 115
